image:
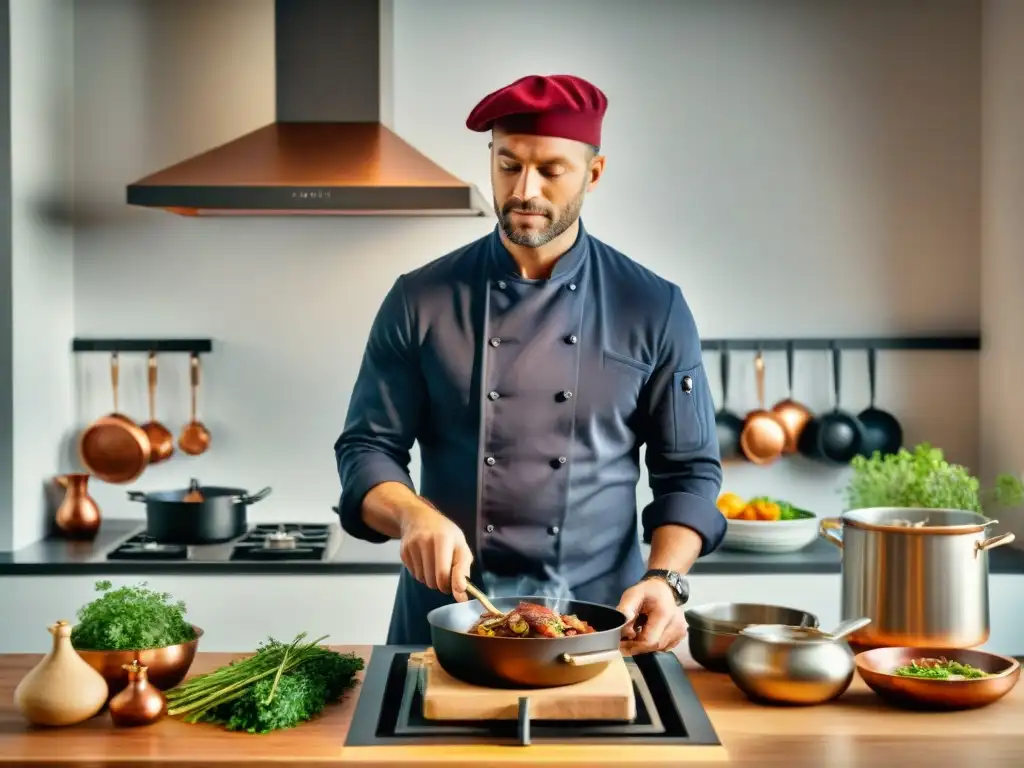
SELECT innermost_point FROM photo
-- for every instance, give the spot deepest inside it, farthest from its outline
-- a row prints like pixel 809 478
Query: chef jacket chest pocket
pixel 689 396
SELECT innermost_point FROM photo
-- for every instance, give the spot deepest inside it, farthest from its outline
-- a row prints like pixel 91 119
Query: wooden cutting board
pixel 609 696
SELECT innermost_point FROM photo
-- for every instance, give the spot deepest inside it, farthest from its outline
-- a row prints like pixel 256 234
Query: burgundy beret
pixel 552 105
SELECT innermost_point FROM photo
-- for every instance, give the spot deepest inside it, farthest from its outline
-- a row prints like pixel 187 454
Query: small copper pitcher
pixel 78 516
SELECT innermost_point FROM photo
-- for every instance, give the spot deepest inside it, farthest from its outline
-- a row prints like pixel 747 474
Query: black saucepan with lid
pixel 198 514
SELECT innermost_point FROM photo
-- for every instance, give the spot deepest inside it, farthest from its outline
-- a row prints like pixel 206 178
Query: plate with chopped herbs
pixel 923 678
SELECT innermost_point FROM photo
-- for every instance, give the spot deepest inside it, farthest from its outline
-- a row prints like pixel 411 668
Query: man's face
pixel 539 183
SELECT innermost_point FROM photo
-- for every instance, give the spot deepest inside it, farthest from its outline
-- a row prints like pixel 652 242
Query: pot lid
pixel 917 520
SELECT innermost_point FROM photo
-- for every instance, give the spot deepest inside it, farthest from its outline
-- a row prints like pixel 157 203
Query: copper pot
pixel 78 516
pixel 165 667
pixel 114 448
pixel 794 415
pixel 764 435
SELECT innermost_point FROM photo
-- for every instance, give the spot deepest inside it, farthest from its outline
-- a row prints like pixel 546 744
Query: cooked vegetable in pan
pixel 939 669
pixel 530 620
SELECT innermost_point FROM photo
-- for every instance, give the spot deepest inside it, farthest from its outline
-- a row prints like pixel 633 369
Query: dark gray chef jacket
pixel 530 400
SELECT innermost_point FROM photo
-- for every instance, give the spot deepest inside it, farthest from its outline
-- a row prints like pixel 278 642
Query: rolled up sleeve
pixel 384 414
pixel 682 453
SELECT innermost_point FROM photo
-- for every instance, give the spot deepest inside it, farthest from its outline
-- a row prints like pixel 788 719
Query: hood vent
pixel 328 152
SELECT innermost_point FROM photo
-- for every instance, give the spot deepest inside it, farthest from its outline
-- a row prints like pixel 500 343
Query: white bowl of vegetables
pixel 765 525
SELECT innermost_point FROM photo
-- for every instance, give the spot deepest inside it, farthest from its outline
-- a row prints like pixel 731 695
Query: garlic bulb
pixel 62 689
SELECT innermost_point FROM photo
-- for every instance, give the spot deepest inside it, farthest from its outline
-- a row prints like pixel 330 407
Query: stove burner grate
pixel 142 547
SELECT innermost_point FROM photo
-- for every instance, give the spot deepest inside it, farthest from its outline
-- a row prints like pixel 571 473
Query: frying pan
pixel 764 435
pixel 793 414
pixel 114 448
pixel 840 434
pixel 727 423
pixel 882 431
pixel 524 662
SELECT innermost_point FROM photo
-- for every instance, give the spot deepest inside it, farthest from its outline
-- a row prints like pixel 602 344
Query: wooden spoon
pixel 160 438
pixel 195 437
pixel 472 589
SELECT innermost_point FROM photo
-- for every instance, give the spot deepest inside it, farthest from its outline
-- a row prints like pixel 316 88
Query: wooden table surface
pixel 856 730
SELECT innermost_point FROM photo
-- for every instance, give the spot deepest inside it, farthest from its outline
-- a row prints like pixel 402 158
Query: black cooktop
pixel 389 711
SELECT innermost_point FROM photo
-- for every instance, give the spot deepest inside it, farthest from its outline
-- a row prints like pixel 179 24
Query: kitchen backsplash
pixel 762 157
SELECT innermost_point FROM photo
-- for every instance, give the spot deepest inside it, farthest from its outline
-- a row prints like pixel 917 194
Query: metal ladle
pixel 195 437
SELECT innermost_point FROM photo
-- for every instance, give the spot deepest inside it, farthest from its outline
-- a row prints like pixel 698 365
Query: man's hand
pixel 435 551
pixel 665 627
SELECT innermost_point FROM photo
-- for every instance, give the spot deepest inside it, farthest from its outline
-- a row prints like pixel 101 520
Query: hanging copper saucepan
pixel 160 438
pixel 764 435
pixel 114 448
pixel 793 414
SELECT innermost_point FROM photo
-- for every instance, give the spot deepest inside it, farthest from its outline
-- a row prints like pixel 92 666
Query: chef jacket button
pixel 495 341
pixel 490 461
pixel 687 384
pixel 566 394
pixel 562 459
pixel 501 284
pixel 571 339
pixel 493 395
pixel 553 530
pixel 572 286
pixel 489 529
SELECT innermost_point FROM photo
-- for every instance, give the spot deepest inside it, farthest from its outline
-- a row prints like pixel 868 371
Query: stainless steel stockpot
pixel 920 575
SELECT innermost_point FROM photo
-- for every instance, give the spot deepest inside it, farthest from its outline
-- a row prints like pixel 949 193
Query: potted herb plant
pixel 135 623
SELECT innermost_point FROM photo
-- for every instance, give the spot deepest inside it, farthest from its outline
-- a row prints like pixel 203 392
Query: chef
pixel 531 365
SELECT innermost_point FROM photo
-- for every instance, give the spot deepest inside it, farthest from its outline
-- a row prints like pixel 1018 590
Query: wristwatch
pixel 680 587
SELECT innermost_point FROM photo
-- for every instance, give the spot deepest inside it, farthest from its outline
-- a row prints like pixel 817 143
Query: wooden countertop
pixel 856 730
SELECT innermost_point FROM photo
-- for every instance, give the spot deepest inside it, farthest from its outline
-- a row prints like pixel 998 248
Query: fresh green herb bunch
pixel 922 478
pixel 130 618
pixel 278 687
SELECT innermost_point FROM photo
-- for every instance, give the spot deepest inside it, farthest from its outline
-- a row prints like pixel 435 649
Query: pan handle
pixel 260 495
pixel 827 529
pixel 596 657
pixel 136 496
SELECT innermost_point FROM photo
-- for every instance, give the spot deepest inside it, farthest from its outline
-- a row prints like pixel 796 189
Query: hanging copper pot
pixel 114 448
pixel 764 435
pixel 793 414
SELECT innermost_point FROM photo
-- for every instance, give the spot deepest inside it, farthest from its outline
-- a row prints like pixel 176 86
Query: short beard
pixel 532 238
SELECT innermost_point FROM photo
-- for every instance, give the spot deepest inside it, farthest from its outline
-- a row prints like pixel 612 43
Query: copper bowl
pixel 876 667
pixel 166 667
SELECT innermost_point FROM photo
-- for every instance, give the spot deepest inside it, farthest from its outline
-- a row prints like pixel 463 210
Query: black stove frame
pixel 389 711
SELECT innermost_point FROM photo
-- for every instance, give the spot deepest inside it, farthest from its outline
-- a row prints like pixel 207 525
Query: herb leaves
pixel 278 687
pixel 130 618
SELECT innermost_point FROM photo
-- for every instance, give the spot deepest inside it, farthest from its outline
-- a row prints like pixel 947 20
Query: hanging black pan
pixel 514 662
pixel 839 433
pixel 728 424
pixel 882 431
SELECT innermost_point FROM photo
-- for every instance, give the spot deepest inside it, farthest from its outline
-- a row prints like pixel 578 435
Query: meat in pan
pixel 530 620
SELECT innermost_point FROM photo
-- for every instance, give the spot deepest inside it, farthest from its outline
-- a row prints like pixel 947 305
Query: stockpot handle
pixel 136 496
pixel 260 495
pixel 992 543
pixel 831 530
pixel 582 659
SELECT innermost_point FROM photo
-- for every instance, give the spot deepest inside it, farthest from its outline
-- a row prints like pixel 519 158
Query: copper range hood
pixel 327 153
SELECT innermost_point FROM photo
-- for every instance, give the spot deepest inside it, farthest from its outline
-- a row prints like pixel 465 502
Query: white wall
pixel 800 168
pixel 41 256
pixel 1002 266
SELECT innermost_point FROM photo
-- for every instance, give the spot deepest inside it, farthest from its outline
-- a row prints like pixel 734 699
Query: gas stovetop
pixel 263 542
pixel 389 711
